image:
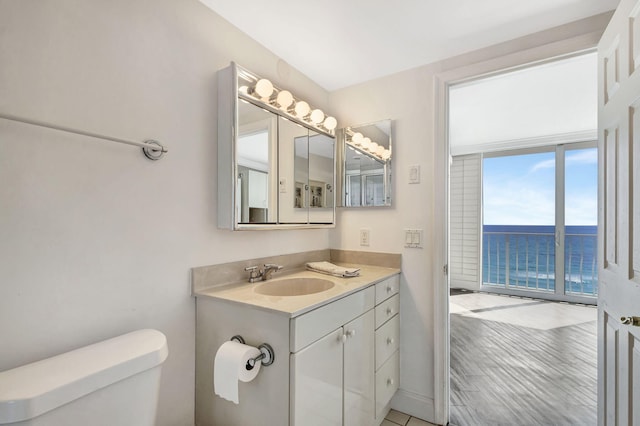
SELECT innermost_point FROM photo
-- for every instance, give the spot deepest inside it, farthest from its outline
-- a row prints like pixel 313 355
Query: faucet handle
pixel 254 272
pixel 273 266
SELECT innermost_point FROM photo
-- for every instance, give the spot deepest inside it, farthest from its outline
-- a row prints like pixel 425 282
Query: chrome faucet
pixel 256 274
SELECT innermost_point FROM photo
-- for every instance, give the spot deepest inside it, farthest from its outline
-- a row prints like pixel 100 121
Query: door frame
pixel 539 50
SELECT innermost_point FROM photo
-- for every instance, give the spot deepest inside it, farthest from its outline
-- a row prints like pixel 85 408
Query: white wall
pixel 96 240
pixel 409 98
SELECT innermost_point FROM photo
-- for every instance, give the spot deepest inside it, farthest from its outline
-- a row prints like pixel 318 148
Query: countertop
pixel 243 292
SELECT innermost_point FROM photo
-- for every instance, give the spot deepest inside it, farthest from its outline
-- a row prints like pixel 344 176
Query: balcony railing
pixel 527 261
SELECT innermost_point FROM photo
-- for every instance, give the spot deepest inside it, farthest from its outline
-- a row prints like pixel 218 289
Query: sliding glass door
pixel 539 213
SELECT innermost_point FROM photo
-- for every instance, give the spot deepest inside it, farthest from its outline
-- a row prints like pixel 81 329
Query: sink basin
pixel 293 287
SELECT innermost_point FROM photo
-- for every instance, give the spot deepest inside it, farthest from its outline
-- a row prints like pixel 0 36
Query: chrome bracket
pixel 152 153
pixel 267 355
pixel 635 321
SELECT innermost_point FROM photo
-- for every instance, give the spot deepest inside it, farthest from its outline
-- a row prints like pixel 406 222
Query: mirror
pixel 365 172
pixel 276 162
pixel 256 182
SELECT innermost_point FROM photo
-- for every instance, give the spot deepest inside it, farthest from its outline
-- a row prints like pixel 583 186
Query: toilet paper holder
pixel 266 353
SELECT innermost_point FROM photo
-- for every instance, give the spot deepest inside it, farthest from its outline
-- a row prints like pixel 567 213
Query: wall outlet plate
pixel 364 237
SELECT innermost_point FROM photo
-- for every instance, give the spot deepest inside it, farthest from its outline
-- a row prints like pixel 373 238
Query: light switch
pixel 416 238
pixel 413 238
pixel 414 174
pixel 408 238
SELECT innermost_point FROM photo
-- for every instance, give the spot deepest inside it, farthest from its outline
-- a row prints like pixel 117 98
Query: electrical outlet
pixel 364 237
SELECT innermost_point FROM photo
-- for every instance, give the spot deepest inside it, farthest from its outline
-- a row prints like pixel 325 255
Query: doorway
pixel 512 349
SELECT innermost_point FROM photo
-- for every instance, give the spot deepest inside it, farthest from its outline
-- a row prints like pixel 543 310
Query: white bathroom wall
pixel 409 98
pixel 96 240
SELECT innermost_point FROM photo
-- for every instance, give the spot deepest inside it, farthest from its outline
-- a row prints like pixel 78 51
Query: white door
pixel 619 218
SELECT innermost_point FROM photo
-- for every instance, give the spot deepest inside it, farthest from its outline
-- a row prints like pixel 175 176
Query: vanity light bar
pixel 263 91
pixel 366 145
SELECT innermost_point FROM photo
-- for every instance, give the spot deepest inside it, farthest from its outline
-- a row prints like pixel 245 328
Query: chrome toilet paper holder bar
pixel 266 353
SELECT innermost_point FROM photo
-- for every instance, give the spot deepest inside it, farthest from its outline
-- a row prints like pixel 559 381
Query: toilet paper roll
pixel 230 366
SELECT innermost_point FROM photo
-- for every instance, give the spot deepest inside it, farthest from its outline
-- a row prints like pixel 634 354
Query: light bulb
pixel 330 123
pixel 373 147
pixel 302 109
pixel 357 138
pixel 366 143
pixel 380 150
pixel 386 154
pixel 317 116
pixel 284 99
pixel 264 88
pixel 243 89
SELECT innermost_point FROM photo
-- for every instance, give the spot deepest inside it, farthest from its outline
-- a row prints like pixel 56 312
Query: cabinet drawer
pixel 387 309
pixel 387 379
pixel 309 327
pixel 387 288
pixel 387 339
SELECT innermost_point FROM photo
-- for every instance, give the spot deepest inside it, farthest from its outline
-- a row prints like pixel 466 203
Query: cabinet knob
pixel 389 311
pixel 389 382
pixel 389 288
pixel 390 340
pixel 351 333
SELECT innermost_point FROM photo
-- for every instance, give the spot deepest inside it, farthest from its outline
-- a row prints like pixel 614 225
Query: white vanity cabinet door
pixel 359 378
pixel 316 382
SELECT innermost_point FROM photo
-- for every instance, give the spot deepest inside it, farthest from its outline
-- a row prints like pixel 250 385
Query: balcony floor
pixel 521 361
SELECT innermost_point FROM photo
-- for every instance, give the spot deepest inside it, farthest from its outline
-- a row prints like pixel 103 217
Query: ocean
pixel 526 257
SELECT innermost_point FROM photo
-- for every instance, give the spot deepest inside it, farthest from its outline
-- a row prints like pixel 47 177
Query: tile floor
pixel 395 418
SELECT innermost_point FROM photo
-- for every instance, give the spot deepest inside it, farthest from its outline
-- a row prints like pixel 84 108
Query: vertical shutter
pixel 465 221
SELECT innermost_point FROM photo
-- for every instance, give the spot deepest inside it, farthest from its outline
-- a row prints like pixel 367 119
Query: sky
pixel 520 190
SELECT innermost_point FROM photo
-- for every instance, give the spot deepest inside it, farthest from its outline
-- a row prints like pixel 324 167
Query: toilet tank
pixel 113 382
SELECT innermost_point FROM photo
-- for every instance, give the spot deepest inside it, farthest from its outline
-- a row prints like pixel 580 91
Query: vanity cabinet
pixel 332 363
pixel 350 373
pixel 332 379
pixel 336 364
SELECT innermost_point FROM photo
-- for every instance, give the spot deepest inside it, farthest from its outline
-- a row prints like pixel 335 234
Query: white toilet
pixel 111 383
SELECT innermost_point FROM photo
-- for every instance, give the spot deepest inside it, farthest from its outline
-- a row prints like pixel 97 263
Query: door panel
pixel 316 383
pixel 611 196
pixel 635 378
pixel 619 295
pixel 611 367
pixel 359 403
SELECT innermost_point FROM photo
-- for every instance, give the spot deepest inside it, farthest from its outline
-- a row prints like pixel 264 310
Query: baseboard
pixel 414 404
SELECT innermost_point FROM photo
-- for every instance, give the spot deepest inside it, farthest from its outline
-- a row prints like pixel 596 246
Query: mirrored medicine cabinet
pixel 276 157
pixel 365 165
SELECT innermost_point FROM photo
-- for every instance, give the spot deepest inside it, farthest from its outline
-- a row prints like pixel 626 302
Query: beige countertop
pixel 244 292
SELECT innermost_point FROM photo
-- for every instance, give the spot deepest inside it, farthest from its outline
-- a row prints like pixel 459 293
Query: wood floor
pixel 506 374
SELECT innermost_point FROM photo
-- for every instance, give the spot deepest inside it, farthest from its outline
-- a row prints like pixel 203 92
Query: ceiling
pixel 339 43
